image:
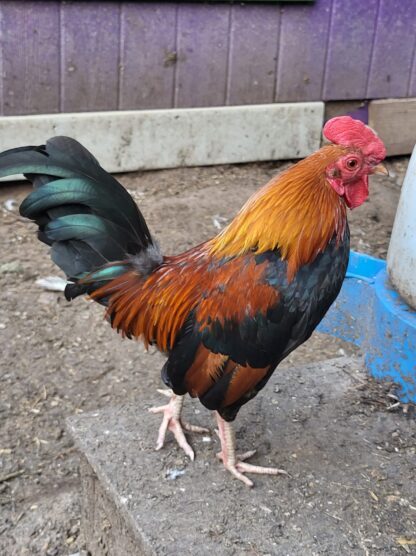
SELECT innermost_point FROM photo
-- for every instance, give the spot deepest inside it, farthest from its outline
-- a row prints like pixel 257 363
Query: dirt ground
pixel 60 359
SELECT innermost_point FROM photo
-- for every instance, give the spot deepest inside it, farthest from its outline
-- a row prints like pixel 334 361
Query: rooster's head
pixel 362 156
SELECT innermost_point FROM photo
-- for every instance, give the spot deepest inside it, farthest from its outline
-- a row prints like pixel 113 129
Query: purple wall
pixel 80 56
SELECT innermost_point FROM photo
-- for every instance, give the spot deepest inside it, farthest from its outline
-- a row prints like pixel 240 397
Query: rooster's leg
pixel 172 421
pixel 235 464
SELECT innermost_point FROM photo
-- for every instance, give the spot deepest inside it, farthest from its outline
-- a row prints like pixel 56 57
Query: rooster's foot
pixel 236 463
pixel 172 421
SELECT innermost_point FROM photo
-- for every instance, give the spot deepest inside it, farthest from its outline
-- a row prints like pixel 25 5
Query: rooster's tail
pixel 94 227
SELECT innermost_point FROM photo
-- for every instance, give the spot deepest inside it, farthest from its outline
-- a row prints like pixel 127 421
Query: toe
pixel 177 430
pixel 246 455
pixel 194 428
pixel 165 392
pixel 162 434
pixel 248 468
pixel 158 409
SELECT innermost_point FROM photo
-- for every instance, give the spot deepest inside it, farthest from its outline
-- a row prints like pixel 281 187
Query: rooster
pixel 225 312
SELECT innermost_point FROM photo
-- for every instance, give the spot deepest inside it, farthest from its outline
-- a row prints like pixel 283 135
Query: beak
pixel 380 169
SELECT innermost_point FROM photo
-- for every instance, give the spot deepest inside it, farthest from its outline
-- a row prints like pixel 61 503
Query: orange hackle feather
pixel 297 212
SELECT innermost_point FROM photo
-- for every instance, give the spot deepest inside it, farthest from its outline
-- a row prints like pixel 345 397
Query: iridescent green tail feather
pixel 87 217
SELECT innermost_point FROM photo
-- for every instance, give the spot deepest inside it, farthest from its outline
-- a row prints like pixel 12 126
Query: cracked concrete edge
pixel 100 496
pixel 106 525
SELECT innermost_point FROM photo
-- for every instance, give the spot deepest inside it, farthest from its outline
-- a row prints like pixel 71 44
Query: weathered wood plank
pixel 29 35
pixel 393 49
pixel 393 119
pixel 90 56
pixel 251 71
pixel 81 56
pixel 303 38
pixel 349 49
pixel 148 55
pixel 412 81
pixel 201 70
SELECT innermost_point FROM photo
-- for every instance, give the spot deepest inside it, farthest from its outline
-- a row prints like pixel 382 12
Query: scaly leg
pixel 235 464
pixel 172 421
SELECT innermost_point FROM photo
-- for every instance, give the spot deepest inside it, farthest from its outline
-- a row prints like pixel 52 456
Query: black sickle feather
pixel 86 216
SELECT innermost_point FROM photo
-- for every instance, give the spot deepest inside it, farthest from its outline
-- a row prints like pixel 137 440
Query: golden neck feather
pixel 297 212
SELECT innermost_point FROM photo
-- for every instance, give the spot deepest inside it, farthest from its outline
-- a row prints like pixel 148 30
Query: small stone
pixel 11 268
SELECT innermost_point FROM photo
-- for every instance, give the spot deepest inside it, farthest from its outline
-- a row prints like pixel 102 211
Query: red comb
pixel 348 132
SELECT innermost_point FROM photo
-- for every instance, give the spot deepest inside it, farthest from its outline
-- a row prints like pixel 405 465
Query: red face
pixel 348 176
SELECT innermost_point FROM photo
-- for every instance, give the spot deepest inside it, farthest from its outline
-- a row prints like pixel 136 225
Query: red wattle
pixel 356 193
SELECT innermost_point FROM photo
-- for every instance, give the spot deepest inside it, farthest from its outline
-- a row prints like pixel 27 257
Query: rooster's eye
pixel 352 163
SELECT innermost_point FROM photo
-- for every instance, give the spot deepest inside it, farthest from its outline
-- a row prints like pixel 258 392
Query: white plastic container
pixel 401 257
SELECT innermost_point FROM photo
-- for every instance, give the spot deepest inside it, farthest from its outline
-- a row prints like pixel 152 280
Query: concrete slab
pixel 394 120
pixel 125 141
pixel 351 490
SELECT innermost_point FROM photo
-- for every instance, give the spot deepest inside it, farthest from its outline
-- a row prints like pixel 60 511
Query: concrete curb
pixel 125 141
